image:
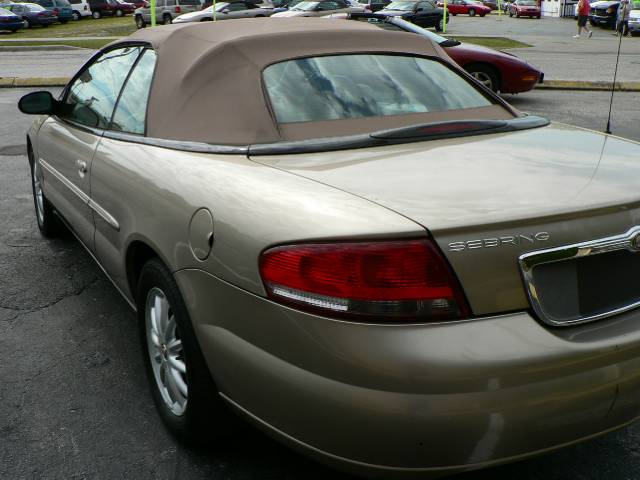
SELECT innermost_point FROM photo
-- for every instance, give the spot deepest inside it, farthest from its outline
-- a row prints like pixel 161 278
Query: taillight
pixel 178 10
pixel 394 280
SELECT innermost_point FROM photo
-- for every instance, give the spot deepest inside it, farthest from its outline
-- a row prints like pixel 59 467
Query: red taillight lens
pixel 178 9
pixel 396 280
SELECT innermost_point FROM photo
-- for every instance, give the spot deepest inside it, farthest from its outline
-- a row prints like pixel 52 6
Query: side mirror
pixel 38 103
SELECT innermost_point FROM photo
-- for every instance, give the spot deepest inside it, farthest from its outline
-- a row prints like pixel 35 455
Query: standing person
pixel 624 11
pixel 583 16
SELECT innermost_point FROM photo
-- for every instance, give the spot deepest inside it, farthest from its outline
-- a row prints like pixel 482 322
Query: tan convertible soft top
pixel 208 88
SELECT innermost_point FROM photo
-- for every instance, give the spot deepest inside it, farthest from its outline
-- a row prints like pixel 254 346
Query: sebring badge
pixel 500 241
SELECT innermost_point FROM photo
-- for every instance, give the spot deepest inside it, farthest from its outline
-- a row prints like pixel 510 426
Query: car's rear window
pixel 365 85
pixel 189 2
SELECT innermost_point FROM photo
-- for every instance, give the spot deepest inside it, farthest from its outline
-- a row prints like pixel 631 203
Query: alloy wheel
pixel 166 352
pixel 37 191
pixel 483 78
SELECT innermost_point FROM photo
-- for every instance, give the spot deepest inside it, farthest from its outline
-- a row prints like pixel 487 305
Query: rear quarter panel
pixel 153 193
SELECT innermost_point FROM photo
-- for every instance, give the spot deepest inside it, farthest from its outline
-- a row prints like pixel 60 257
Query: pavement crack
pixel 77 292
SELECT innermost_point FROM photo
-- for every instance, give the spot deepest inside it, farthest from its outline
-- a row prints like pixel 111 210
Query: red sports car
pixel 469 7
pixel 498 71
pixel 525 8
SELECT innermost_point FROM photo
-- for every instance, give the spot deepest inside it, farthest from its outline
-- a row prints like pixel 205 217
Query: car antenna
pixel 613 85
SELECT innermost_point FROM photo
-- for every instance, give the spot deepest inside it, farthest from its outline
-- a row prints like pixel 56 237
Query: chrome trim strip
pixel 106 216
pixel 629 240
pixel 66 182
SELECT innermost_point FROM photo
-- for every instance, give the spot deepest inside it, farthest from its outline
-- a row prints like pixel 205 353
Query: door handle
pixel 82 166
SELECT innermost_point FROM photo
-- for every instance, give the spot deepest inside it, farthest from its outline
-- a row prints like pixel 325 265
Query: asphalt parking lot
pixel 76 402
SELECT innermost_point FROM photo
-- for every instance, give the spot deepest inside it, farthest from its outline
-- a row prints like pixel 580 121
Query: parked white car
pixel 80 8
pixel 225 11
pixel 320 9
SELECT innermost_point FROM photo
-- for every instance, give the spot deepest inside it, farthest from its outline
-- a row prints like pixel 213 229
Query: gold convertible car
pixel 335 231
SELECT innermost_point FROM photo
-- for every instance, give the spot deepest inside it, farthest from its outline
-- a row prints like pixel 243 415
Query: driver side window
pixel 91 98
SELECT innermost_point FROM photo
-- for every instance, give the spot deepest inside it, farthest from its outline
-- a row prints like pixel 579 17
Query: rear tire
pixel 181 385
pixel 439 25
pixel 45 25
pixel 77 16
pixel 166 19
pixel 97 15
pixel 140 23
pixel 48 223
pixel 511 14
pixel 63 22
pixel 472 12
pixel 119 13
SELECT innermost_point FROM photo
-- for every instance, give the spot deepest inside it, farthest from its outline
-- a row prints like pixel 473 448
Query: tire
pixel 119 13
pixel 63 22
pixel 439 25
pixel 511 14
pixel 485 74
pixel 26 23
pixel 538 17
pixel 97 15
pixel 186 399
pixel 482 15
pixel 472 12
pixel 77 16
pixel 45 25
pixel 166 19
pixel 140 23
pixel 48 223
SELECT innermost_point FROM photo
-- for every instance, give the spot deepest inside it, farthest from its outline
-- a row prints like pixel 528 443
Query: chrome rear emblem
pixel 504 241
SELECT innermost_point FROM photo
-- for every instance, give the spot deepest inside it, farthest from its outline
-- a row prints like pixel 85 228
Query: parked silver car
pixel 334 230
pixel 320 9
pixel 226 11
pixel 166 11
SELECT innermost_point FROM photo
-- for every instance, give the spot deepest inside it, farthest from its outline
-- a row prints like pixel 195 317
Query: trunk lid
pixel 488 199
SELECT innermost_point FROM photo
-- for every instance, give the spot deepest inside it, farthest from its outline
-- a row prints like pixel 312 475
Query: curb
pixel 27 48
pixel 591 86
pixel 17 82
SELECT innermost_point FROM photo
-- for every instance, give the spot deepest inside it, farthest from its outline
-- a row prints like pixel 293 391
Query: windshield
pixel 305 6
pixel 402 6
pixel 33 7
pixel 529 3
pixel 219 7
pixel 356 86
pixel 5 12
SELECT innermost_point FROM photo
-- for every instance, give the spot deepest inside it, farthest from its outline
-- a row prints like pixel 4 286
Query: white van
pixel 80 8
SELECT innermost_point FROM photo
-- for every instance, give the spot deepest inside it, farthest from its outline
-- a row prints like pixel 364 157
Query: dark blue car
pixel 32 14
pixel 10 21
pixel 60 8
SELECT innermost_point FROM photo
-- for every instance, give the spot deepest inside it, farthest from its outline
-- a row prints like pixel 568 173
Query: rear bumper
pixel 415 399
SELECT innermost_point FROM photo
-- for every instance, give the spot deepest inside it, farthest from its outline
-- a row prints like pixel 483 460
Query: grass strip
pixel 88 27
pixel 92 44
pixel 491 42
